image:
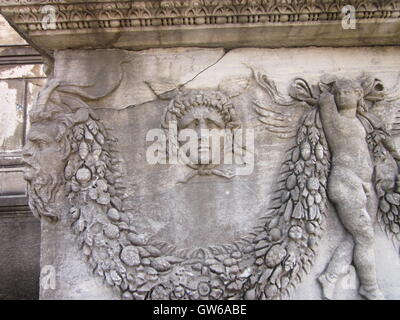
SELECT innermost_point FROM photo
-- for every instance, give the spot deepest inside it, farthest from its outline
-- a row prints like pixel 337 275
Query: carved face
pixel 197 119
pixel 44 162
pixel 347 98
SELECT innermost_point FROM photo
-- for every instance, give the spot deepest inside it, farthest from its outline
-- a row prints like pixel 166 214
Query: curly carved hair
pixel 187 100
pixel 354 85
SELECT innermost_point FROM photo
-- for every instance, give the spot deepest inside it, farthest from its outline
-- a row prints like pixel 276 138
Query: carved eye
pixel 41 144
pixel 193 124
pixel 211 124
pixel 215 124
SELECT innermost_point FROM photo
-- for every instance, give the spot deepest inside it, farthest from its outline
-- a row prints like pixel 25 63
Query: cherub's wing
pixel 281 115
pixel 285 244
pixel 279 122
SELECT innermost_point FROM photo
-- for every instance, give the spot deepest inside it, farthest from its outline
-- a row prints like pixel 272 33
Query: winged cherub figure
pixel 350 186
pixel 362 174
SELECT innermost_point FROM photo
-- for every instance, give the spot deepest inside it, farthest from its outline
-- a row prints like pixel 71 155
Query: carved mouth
pixel 29 171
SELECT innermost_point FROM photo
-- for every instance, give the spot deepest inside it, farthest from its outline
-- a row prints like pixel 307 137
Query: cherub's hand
pixel 326 99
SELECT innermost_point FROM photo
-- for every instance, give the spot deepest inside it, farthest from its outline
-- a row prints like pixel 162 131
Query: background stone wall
pixel 21 76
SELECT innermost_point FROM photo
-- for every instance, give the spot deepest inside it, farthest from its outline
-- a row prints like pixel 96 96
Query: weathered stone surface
pixel 210 221
pixel 130 71
pixel 149 24
pixel 20 253
pixel 8 36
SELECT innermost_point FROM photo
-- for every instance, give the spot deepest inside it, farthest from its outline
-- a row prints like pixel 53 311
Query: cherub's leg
pixel 350 201
pixel 364 255
pixel 372 201
pixel 338 265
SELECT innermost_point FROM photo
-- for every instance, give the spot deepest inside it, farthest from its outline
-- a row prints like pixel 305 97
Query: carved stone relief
pixel 106 14
pixel 341 151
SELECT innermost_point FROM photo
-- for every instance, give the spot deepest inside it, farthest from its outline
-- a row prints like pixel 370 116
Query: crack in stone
pixel 225 52
pixel 205 69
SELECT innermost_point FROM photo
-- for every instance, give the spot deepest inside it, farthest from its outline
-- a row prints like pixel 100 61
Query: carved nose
pixel 200 126
pixel 26 152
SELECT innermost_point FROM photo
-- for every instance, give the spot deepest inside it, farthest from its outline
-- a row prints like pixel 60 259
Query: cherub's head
pixel 348 95
pixel 199 110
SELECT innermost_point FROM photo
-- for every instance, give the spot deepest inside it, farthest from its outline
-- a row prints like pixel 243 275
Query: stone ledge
pixel 14 205
pixel 17 55
pixel 204 23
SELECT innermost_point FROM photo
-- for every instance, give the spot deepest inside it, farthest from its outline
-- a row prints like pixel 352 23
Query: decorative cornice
pixel 186 17
pixel 103 14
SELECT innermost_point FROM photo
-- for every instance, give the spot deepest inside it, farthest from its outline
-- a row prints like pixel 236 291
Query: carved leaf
pixel 298 212
pixel 393 198
pixel 93 127
pixel 83 150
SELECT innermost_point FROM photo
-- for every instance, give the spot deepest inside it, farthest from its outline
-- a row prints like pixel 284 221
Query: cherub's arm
pixel 328 109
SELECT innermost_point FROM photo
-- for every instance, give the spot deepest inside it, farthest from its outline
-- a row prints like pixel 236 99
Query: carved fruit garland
pixel 266 265
pixel 387 188
pixel 114 250
pixel 285 247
